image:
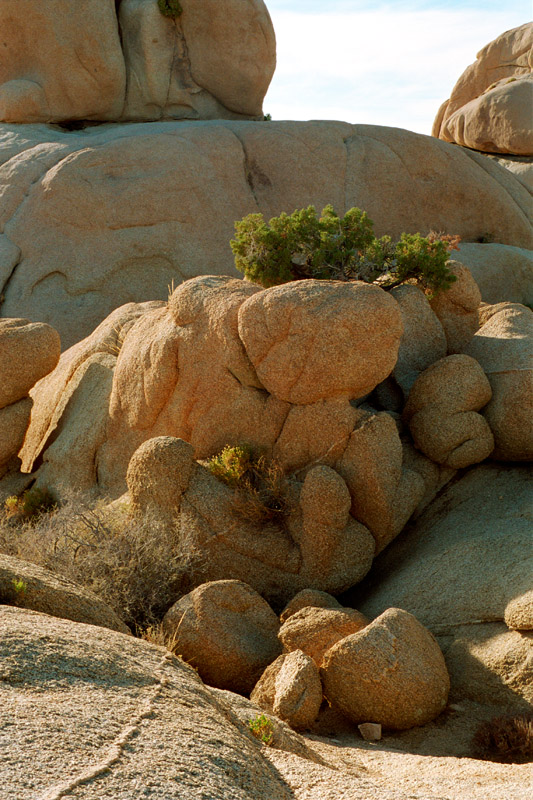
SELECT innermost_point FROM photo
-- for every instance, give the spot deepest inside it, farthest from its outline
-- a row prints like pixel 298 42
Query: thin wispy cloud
pixel 388 65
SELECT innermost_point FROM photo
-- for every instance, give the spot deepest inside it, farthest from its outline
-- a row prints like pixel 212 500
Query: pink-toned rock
pixel 290 688
pixel 28 352
pixel 358 349
pixel 391 672
pixel 504 348
pixel 315 630
pixel 442 412
pixel 225 630
pixel 457 308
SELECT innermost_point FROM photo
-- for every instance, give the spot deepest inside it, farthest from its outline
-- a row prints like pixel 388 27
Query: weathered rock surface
pixel 28 352
pixel 42 590
pixel 203 62
pixel 518 613
pixel 315 630
pixel 14 420
pixel 465 115
pixel 502 273
pixel 77 244
pixel 392 672
pixel 442 412
pixel 226 631
pixel 457 308
pixel 504 348
pixel 291 688
pixel 308 598
pixel 480 531
pixel 163 730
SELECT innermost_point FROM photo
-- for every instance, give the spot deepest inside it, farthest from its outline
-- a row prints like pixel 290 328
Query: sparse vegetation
pixel 506 739
pixel 170 8
pixel 259 484
pixel 32 504
pixel 262 728
pixel 139 567
pixel 303 245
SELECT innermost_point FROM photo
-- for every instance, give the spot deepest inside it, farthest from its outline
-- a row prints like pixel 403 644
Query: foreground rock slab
pixel 90 713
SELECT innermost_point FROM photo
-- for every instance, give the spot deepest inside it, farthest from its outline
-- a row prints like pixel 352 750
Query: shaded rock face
pixel 290 688
pixel 490 105
pixel 91 220
pixel 209 61
pixel 163 726
pixel 461 569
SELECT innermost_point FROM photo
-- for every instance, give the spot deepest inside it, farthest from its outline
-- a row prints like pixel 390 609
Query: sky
pixel 381 63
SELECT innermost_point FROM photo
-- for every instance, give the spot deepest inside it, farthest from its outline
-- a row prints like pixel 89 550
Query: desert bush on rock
pixel 507 739
pixel 260 493
pixel 136 566
pixel 30 505
pixel 304 245
pixel 170 8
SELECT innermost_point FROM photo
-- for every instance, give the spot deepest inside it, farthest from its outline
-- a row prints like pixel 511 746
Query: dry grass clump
pixel 140 567
pixel 506 739
pixel 260 486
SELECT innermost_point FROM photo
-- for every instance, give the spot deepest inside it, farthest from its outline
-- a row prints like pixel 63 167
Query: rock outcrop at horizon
pixel 490 105
pixel 120 60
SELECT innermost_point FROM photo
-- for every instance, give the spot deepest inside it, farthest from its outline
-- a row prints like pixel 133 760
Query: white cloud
pixel 382 67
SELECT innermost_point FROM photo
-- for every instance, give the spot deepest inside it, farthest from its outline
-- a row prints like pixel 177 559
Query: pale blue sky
pixel 383 63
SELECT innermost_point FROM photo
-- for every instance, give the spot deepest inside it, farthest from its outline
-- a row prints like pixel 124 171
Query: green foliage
pixel 258 483
pixel 31 504
pixel 508 739
pixel 303 245
pixel 170 8
pixel 262 728
pixel 267 118
pixel 20 588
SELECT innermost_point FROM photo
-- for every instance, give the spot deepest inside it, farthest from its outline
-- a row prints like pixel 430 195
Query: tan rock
pixel 28 586
pixel 164 730
pixel 503 273
pixel 461 565
pixel 159 472
pixel 441 412
pixel 391 672
pixel 66 195
pixel 457 308
pixel 315 630
pixel 520 166
pixel 226 631
pixel 498 121
pixel 384 493
pixel 370 731
pixel 360 349
pixel 28 352
pixel 505 57
pixel 518 613
pixel 84 79
pixel 14 420
pixel 208 63
pixel 308 598
pixel 504 348
pixel 290 687
pixel 423 339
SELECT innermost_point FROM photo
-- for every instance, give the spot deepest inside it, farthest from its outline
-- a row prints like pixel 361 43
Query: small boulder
pixel 28 352
pixel 227 631
pixel 315 630
pixel 457 308
pixel 159 472
pixel 518 613
pixel 370 731
pixel 308 597
pixel 441 412
pixel 290 688
pixel 392 672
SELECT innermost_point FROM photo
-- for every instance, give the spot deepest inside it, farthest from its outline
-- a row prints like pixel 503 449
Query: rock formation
pixel 490 105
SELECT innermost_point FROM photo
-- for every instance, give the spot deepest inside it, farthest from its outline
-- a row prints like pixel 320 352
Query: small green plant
pixel 20 588
pixel 507 739
pixel 262 728
pixel 259 484
pixel 170 8
pixel 267 118
pixel 31 504
pixel 303 245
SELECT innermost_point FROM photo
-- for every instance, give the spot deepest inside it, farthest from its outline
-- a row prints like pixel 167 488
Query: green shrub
pixel 170 8
pixel 31 504
pixel 262 728
pixel 303 245
pixel 507 739
pixel 259 484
